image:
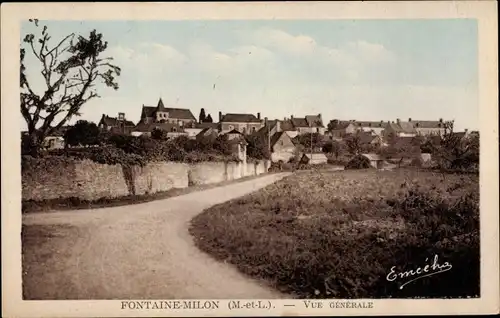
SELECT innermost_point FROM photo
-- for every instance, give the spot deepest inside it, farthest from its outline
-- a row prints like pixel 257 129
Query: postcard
pixel 250 159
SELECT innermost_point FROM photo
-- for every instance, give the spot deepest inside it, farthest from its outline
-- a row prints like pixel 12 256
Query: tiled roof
pixel 366 138
pixel 342 125
pixel 427 124
pixel 113 121
pixel 148 111
pixel 143 127
pixel 207 125
pixel 206 131
pixel 394 127
pixel 240 118
pixel 403 141
pixel 314 120
pixel 122 130
pixel 315 156
pixel 407 127
pixel 372 124
pixel 276 137
pixel 299 122
pixel 177 113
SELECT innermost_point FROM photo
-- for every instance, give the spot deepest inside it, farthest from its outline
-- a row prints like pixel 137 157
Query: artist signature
pixel 420 272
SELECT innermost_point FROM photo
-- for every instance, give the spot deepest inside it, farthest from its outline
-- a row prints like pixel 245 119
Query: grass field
pixel 321 234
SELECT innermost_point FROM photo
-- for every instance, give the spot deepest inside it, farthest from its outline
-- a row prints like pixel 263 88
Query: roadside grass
pixel 74 203
pixel 323 234
pixel 43 247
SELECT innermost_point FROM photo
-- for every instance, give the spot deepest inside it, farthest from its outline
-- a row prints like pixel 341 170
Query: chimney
pixel 440 120
pixel 284 118
pixel 220 117
pixel 319 116
pixel 291 116
pixel 409 119
pixel 258 115
pixel 265 121
pixel 466 130
pixel 397 120
pixel 121 116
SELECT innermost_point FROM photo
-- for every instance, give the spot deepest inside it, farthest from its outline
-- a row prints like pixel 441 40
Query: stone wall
pixel 95 180
pixel 45 179
pixel 159 176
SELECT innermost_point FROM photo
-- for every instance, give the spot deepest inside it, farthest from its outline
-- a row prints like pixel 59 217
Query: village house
pixel 341 128
pixel 209 133
pixel 162 114
pixel 375 128
pixel 282 147
pixel 295 126
pixel 428 127
pixel 273 126
pixel 173 130
pixel 308 124
pixel 244 123
pixel 367 138
pixel 193 129
pixel 238 144
pixel 313 158
pixel 117 125
pixel 400 129
pixel 376 161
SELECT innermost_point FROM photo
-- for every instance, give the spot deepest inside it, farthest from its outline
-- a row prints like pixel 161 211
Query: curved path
pixel 141 251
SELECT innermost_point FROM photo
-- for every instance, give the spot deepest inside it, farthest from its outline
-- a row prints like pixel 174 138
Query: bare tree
pixel 70 71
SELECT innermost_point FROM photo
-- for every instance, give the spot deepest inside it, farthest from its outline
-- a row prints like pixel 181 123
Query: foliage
pixel 402 148
pixel 202 116
pixel 334 147
pixel 305 241
pixel 70 72
pixel 452 152
pixel 305 141
pixel 83 133
pixel 358 162
pixel 257 147
pixel 333 124
pixel 209 119
pixel 159 134
pixel 353 144
pixel 221 145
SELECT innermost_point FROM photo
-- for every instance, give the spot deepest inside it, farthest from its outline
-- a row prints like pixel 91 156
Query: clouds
pixel 280 71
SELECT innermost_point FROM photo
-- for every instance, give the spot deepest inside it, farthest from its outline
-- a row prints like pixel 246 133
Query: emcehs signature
pixel 418 273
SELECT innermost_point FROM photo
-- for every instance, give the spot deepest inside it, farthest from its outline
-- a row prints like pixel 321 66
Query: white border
pixel 483 11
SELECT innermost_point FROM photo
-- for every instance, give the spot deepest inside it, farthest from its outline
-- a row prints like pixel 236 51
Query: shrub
pixel 257 147
pixel 417 162
pixel 84 133
pixel 358 162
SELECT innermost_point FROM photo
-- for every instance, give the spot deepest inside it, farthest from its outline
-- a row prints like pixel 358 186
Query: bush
pixel 417 162
pixel 358 162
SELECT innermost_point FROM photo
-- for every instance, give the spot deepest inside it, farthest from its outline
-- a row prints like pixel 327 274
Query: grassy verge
pixel 73 203
pixel 321 234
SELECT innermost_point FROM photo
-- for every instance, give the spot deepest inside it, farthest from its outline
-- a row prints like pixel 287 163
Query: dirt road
pixel 141 251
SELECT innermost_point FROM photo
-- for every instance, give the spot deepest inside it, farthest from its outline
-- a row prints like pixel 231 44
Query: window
pixel 181 123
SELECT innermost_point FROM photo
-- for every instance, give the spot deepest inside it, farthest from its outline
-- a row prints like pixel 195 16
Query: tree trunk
pixel 34 144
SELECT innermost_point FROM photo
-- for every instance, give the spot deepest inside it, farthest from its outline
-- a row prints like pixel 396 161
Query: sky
pixel 343 69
